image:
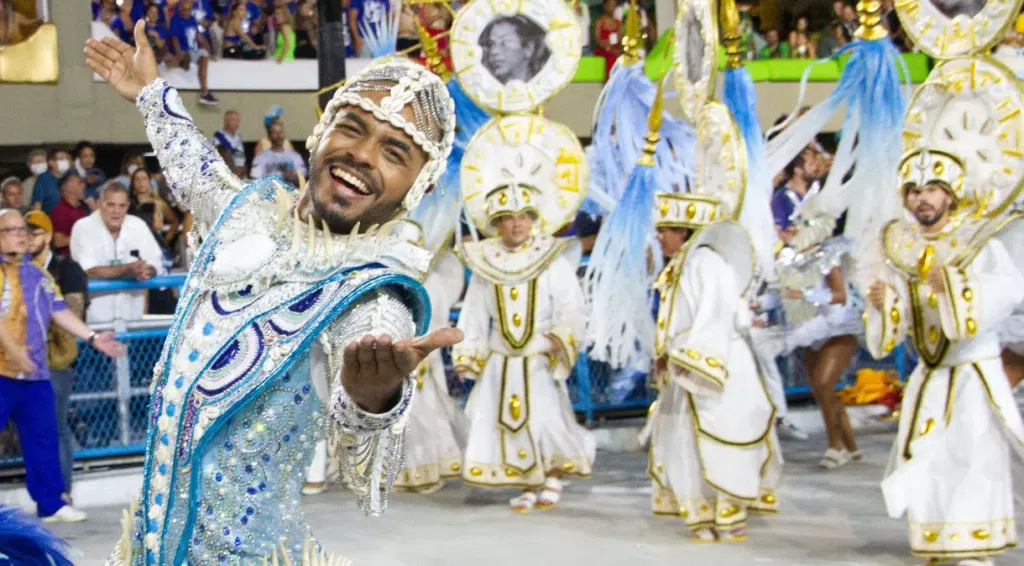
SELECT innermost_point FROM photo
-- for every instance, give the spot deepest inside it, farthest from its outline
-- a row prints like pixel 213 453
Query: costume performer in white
pixel 712 441
pixel 523 178
pixel 437 427
pixel 275 285
pixel 950 284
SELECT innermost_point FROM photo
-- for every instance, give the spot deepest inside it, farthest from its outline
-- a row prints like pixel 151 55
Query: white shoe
pixel 834 459
pixel 976 562
pixel 787 429
pixel 67 514
pixel 314 488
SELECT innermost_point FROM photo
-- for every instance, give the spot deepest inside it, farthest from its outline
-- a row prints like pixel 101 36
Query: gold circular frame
pixel 515 95
pixel 695 79
pixel 943 34
pixel 973 108
pixel 555 166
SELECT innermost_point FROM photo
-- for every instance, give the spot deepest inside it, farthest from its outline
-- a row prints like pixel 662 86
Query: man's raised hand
pixel 373 368
pixel 126 68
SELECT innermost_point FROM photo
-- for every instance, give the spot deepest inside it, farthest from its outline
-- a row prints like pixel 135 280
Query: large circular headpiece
pixel 945 29
pixel 511 56
pixel 973 109
pixel 721 175
pixel 519 163
pixel 696 54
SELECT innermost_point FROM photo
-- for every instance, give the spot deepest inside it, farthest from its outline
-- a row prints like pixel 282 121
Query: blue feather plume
pixel 740 97
pixel 24 542
pixel 382 39
pixel 619 135
pixel 618 279
pixel 869 149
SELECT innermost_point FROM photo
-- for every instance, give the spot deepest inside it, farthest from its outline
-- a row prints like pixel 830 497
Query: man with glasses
pixel 29 300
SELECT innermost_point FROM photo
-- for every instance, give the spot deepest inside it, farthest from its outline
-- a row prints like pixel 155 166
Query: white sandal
pixel 834 459
pixel 704 534
pixel 551 494
pixel 976 562
pixel 524 502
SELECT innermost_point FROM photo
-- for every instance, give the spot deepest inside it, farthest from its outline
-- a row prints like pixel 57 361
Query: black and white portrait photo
pixel 514 48
pixel 953 8
pixel 694 48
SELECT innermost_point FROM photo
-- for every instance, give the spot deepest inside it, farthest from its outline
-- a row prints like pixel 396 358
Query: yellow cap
pixel 39 219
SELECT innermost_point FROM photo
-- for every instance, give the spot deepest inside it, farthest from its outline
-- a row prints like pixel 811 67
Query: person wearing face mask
pixel 522 318
pixel 46 191
pixel 37 166
pixel 130 163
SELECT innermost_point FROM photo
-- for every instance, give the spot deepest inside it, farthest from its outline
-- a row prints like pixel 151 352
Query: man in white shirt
pixel 111 244
pixel 278 160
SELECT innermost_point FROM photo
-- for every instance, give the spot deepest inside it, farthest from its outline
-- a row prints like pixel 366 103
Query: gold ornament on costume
pixel 523 162
pixel 732 37
pixel 434 60
pixel 507 81
pixel 632 37
pixel 869 14
pixel 976 106
pixel 695 51
pixel 925 166
pixel 943 29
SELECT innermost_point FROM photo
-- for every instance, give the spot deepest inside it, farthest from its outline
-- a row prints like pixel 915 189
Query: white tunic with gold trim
pixel 521 421
pixel 950 469
pixel 712 447
pixel 436 430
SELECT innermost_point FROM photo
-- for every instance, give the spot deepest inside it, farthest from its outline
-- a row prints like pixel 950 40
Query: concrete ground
pixel 828 518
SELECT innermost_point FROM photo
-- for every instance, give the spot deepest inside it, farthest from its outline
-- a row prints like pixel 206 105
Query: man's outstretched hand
pixel 374 367
pixel 126 68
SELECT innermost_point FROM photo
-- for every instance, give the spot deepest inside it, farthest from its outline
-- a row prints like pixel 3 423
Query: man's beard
pixel 930 219
pixel 379 212
pixel 38 251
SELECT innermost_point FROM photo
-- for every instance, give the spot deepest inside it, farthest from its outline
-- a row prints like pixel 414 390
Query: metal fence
pixel 110 401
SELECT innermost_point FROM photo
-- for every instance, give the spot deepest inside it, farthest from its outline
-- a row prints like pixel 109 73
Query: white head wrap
pixel 407 84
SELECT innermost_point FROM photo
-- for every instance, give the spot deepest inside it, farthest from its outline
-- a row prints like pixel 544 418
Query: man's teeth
pixel 352 180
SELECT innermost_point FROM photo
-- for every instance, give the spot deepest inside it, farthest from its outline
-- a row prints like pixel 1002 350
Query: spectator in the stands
pixel 583 20
pixel 228 136
pixel 129 163
pixel 68 211
pixel 284 35
pixel 46 192
pixel 307 26
pixel 833 39
pixel 112 244
pixel 774 48
pixel 12 194
pixel 606 36
pixel 146 203
pixel 156 32
pixel 29 301
pixel 238 44
pixel 61 346
pixel 85 163
pixel 122 23
pixel 849 18
pixel 190 44
pixel 273 116
pixel 278 159
pixel 37 166
pixel 800 43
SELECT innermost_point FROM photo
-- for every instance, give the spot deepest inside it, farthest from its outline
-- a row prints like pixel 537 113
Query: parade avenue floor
pixel 828 518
